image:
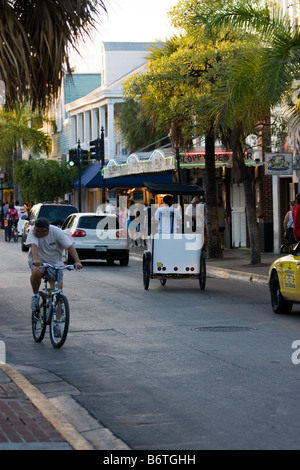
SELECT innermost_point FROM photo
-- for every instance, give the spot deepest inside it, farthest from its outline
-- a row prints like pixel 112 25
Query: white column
pixel 87 126
pixel 73 133
pixel 276 213
pixel 80 130
pixel 95 123
pixel 110 132
pixel 102 123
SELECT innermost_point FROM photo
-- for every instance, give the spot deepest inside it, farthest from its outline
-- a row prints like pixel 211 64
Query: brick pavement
pixel 22 425
pixel 29 421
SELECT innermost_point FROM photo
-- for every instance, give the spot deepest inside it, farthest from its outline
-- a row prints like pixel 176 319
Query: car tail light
pixel 121 234
pixel 78 233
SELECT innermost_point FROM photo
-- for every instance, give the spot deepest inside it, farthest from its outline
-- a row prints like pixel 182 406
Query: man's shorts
pixel 50 272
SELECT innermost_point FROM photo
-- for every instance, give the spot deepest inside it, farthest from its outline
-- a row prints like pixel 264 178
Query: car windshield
pixel 56 214
pixel 91 222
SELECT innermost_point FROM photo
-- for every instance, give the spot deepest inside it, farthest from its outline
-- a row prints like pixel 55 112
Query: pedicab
pixel 177 255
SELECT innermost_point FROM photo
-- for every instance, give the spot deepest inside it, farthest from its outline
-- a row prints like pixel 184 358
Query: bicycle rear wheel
pixel 16 235
pixel 38 320
pixel 59 324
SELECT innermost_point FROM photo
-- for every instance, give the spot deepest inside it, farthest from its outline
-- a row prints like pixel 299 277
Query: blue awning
pixel 92 178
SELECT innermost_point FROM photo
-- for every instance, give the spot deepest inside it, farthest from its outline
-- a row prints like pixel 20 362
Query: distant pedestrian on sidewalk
pixel 296 218
pixel 223 220
pixel 288 225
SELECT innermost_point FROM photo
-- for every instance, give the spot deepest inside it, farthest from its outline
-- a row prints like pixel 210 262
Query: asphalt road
pixel 171 368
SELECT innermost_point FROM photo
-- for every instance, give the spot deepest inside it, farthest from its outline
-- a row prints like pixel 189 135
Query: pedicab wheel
pixel 202 274
pixel 163 282
pixel 146 271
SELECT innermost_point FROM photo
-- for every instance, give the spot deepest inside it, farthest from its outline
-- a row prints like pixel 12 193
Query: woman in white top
pixel 288 225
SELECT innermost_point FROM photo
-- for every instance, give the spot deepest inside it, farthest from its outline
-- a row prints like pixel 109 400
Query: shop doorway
pixel 238 216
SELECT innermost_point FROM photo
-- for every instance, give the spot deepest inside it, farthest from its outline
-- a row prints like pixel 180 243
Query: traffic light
pixel 73 160
pixel 95 149
pixel 84 156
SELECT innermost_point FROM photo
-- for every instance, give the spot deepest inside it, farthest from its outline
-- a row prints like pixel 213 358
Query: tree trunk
pixel 237 148
pixel 212 221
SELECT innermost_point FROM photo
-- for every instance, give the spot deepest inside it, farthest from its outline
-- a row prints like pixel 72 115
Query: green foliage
pixel 136 127
pixel 36 37
pixel 43 180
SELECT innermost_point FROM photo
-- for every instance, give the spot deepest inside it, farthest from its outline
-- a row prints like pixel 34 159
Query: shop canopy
pixel 92 178
pixel 180 189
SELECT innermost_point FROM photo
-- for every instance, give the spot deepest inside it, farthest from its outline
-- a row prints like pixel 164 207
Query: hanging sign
pixel 279 164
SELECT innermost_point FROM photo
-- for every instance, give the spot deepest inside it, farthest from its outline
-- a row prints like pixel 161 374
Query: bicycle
pixel 53 311
pixel 14 232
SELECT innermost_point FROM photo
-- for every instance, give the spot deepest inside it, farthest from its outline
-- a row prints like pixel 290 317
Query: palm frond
pixel 35 39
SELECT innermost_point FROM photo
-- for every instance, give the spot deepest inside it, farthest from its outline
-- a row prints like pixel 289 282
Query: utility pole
pixel 79 175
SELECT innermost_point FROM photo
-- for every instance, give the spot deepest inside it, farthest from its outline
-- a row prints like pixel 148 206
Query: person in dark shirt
pixel 296 218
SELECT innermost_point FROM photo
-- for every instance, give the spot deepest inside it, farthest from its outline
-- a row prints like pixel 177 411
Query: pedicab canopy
pixel 180 189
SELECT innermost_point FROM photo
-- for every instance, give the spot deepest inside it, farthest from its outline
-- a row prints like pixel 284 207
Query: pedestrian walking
pixel 288 225
pixel 296 218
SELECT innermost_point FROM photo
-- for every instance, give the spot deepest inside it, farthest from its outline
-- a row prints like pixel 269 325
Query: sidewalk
pixel 29 421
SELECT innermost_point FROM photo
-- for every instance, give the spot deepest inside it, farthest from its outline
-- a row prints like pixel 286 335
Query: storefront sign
pixel 157 163
pixel 279 164
pixel 222 158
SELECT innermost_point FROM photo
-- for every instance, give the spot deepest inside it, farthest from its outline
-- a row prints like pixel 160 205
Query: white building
pixel 98 109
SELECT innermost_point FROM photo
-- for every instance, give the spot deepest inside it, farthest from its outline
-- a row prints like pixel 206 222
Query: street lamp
pixel 2 175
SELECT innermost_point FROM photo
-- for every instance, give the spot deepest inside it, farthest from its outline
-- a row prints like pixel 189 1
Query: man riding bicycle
pixel 47 244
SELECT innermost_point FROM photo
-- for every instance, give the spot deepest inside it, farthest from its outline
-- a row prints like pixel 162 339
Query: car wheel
pixel 279 304
pixel 124 261
pixel 67 258
pixel 23 246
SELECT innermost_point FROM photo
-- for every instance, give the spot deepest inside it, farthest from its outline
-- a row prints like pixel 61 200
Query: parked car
pixel 97 236
pixel 55 213
pixel 284 281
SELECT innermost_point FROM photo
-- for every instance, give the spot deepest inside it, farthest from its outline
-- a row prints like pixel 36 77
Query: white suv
pixel 97 236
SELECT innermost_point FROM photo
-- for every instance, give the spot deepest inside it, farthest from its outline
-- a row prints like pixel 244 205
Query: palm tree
pixel 177 95
pixel 255 82
pixel 17 132
pixel 36 37
pixel 276 63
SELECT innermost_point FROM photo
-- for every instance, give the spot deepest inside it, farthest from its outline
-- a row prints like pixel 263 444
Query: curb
pixel 238 275
pixel 49 411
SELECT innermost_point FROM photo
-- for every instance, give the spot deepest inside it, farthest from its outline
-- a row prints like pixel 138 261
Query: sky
pixel 125 21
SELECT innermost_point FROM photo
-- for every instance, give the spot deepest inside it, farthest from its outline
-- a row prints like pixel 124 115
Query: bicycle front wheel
pixel 38 320
pixel 59 323
pixel 16 235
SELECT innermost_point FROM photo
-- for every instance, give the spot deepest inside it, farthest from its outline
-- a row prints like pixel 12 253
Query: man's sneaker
pixel 35 302
pixel 57 331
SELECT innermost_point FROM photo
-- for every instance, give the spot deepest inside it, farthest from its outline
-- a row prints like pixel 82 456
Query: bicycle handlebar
pixel 70 267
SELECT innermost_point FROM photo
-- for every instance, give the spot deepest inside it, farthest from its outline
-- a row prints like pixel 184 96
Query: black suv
pixel 55 213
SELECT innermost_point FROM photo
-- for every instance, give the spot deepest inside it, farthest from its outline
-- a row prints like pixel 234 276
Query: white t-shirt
pixel 168 218
pixel 50 247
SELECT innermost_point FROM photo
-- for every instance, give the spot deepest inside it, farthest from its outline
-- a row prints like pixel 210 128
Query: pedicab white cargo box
pixel 175 255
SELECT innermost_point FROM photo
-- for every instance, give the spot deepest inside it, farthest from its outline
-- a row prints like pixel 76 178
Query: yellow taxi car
pixel 284 281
